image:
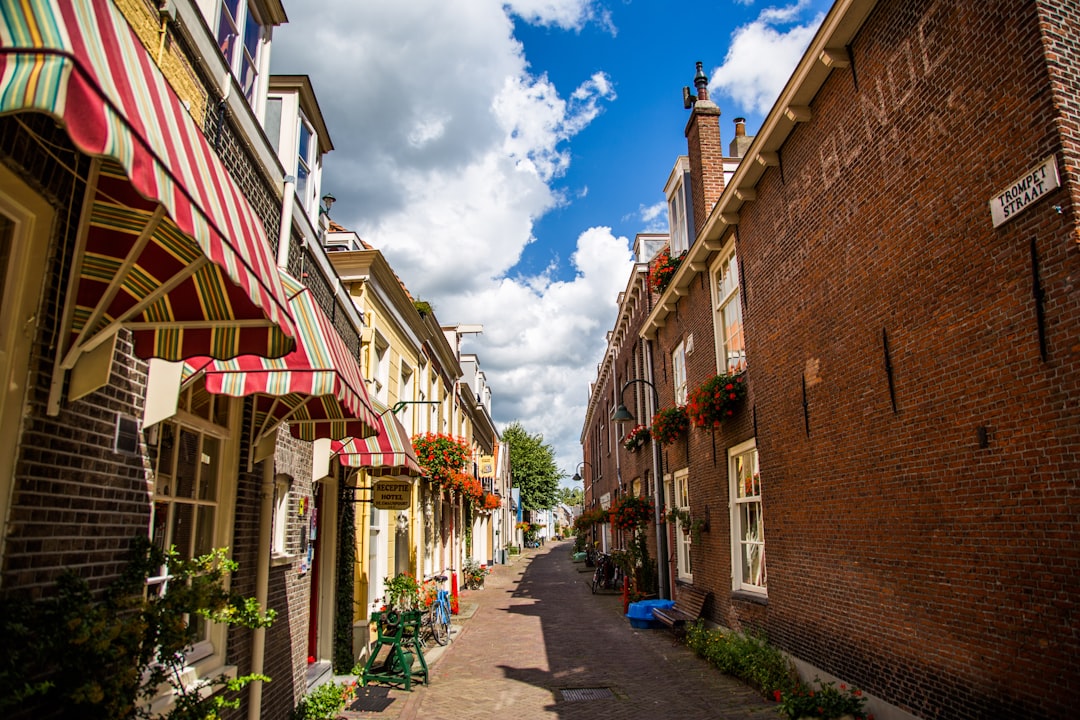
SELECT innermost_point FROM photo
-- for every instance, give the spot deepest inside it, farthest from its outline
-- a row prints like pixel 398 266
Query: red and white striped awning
pixel 388 453
pixel 170 248
pixel 317 389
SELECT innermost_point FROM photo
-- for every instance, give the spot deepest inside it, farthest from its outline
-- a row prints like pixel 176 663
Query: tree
pixel 532 464
pixel 570 496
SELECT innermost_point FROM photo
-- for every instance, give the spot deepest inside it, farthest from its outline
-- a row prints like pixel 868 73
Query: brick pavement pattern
pixel 539 630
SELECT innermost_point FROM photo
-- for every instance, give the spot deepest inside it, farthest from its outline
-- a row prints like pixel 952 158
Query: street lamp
pixel 577 473
pixel 622 415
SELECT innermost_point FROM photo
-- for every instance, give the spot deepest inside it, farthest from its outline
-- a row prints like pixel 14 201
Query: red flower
pixel 777 695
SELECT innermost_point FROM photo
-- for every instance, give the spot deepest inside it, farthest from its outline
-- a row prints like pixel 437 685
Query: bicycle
pixel 437 618
pixel 607 575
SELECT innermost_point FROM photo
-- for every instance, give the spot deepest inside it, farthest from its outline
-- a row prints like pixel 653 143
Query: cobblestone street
pixel 536 632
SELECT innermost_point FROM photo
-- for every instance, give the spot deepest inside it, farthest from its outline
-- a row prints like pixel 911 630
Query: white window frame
pixel 381 376
pixel 308 164
pixel 678 496
pixel 744 481
pixel 678 373
pixel 280 536
pixel 238 56
pixel 727 305
pixel 207 657
pixel 406 388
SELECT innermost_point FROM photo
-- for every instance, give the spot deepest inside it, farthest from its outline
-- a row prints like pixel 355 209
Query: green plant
pixel 474 574
pixel 669 424
pixel 826 701
pixel 108 656
pixel 631 513
pixel 748 657
pixel 402 592
pixel 423 307
pixel 686 522
pixel 441 456
pixel 325 701
pixel 716 400
pixel 662 269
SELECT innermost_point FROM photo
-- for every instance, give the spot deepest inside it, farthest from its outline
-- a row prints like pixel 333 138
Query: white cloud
pixel 446 149
pixel 762 56
pixel 566 14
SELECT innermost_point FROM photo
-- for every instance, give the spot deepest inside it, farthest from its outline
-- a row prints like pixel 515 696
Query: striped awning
pixel 317 389
pixel 388 453
pixel 169 246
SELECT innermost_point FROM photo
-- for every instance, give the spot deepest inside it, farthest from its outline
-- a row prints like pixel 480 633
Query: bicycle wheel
pixel 597 577
pixel 440 623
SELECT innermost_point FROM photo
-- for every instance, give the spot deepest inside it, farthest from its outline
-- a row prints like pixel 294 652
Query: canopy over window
pixel 169 247
pixel 388 453
pixel 317 389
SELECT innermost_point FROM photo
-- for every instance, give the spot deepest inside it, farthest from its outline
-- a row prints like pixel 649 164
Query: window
pixel 26 220
pixel 727 315
pixel 238 20
pixel 677 221
pixel 681 501
pixel 382 369
pixel 187 482
pixel 405 392
pixel 282 484
pixel 679 204
pixel 747 524
pixel 678 373
pixel 305 161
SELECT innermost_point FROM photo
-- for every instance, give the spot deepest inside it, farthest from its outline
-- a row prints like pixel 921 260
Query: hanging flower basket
pixel 631 513
pixel 716 400
pixel 670 424
pixel 637 437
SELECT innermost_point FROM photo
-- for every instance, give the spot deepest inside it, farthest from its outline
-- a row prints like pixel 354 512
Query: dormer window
pixel 678 200
pixel 238 21
pixel 305 161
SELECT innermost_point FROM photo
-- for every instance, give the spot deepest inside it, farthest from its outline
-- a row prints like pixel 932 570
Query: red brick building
pixel 906 460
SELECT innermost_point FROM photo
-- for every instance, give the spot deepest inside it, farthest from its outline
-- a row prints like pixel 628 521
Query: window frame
pixel 279 547
pixel 678 491
pixel 736 505
pixel 726 294
pixel 208 656
pixel 235 49
pixel 678 373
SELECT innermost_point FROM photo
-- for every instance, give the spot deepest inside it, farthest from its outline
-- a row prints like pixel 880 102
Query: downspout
pixel 266 497
pixel 663 569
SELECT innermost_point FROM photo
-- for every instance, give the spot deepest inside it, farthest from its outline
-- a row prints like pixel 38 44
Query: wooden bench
pixel 687 609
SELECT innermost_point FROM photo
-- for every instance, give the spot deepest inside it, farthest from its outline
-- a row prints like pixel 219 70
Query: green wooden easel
pixel 400 633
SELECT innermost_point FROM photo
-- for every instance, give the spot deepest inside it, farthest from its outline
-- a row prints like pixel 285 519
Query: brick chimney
pixel 704 149
pixel 741 143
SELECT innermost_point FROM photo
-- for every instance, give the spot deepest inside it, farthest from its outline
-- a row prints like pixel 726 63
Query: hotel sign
pixel 1021 194
pixel 392 494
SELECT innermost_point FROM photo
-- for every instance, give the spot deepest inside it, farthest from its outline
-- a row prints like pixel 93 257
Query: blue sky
pixel 504 154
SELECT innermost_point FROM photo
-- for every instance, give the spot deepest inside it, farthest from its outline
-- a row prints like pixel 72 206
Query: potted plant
pixel 669 424
pixel 716 400
pixel 662 269
pixel 638 436
pixel 402 593
pixel 687 523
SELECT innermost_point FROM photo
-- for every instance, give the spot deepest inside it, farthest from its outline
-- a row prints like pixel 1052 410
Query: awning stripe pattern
pixel 80 62
pixel 388 453
pixel 318 388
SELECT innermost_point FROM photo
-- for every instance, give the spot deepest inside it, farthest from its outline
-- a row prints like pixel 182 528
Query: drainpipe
pixel 266 499
pixel 262 585
pixel 662 560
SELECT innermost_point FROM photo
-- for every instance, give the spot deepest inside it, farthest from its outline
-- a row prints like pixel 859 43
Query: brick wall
pixel 907 554
pixel 75 503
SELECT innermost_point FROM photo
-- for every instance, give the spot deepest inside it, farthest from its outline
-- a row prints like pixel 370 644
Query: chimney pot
pixel 701 82
pixel 740 127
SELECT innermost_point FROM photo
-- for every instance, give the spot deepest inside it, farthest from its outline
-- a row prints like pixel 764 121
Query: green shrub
pixel 324 702
pixel 747 657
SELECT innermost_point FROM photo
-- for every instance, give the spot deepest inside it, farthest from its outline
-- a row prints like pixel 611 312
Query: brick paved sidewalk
pixel 538 632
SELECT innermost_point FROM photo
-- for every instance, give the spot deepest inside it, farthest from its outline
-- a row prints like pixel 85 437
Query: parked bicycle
pixel 608 575
pixel 437 618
